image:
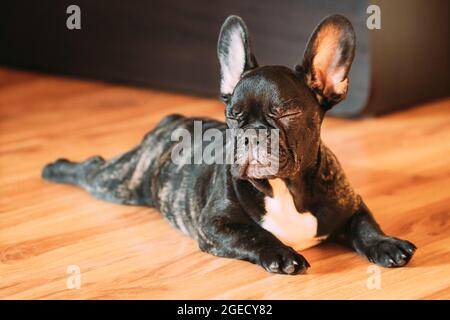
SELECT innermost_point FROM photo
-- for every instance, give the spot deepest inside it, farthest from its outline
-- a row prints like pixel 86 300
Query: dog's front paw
pixel 284 260
pixel 391 252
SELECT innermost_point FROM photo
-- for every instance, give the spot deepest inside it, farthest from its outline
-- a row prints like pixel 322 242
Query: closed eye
pixel 288 114
pixel 238 115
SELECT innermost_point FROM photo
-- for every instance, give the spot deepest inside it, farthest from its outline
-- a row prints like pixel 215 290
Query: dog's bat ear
pixel 327 59
pixel 235 55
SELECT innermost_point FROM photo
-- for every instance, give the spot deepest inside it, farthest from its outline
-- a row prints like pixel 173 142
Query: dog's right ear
pixel 235 56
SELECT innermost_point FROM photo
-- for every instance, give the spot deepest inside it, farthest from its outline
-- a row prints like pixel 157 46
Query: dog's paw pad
pixel 391 252
pixel 283 260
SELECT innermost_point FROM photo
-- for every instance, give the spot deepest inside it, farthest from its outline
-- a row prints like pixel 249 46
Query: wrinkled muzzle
pixel 256 153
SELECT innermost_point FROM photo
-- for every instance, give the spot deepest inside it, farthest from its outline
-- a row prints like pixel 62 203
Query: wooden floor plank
pixel 399 163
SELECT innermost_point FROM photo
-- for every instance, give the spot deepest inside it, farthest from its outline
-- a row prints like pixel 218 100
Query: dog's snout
pixel 256 137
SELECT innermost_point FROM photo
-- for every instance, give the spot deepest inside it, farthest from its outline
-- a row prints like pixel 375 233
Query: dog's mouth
pixel 255 170
pixel 252 173
pixel 266 167
pixel 262 158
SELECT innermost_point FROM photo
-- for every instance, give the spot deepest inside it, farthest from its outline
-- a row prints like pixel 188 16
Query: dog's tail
pixel 65 171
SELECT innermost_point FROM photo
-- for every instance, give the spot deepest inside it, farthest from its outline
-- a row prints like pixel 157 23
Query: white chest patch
pixel 282 219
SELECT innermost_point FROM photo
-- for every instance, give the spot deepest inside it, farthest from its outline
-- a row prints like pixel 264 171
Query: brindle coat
pixel 222 208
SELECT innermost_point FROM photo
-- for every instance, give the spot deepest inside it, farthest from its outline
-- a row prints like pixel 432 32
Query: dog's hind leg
pixel 126 179
pixel 120 180
pixel 65 171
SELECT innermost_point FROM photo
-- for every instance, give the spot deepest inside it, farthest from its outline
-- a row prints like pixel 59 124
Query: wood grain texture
pixel 399 164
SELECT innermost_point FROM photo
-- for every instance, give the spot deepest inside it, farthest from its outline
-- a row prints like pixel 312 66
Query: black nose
pixel 259 129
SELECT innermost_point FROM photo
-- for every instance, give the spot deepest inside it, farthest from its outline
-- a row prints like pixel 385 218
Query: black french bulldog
pixel 235 211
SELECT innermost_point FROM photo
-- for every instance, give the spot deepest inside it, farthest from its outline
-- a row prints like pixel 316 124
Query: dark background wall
pixel 410 55
pixel 171 45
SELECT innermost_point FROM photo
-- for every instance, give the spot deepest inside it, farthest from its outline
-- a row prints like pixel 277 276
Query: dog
pixel 239 210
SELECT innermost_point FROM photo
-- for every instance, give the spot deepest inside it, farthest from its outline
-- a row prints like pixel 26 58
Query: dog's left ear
pixel 235 55
pixel 327 59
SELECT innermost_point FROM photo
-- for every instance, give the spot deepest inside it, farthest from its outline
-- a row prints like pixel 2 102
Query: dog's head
pixel 293 101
